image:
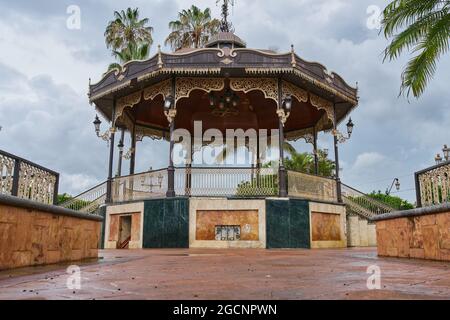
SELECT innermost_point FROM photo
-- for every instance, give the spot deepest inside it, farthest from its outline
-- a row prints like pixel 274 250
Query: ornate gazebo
pixel 222 86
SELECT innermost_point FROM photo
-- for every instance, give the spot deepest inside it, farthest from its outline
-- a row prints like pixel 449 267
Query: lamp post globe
pixel 446 152
pixel 438 159
pixel 97 122
pixel 397 184
pixel 350 126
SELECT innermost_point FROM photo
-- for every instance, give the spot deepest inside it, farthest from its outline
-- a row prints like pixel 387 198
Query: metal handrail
pixel 81 194
pixel 84 201
pixel 359 198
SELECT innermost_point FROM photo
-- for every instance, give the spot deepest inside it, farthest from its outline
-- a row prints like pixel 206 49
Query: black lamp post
pixel 438 159
pixel 169 103
pixel 120 147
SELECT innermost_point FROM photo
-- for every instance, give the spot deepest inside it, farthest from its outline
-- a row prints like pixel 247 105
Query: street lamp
pixel 340 137
pixel 287 103
pixel 438 159
pixel 97 124
pixel 120 145
pixel 350 126
pixel 395 182
pixel 446 152
pixel 105 136
pixel 169 111
pixel 284 110
pixel 168 102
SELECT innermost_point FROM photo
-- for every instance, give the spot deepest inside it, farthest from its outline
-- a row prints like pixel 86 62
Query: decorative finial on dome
pixel 226 26
pixel 160 62
pixel 293 61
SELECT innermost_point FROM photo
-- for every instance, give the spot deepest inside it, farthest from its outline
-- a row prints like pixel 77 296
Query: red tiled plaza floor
pixel 233 274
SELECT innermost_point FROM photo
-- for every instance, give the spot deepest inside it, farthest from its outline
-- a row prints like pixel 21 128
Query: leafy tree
pixel 193 28
pixel 63 198
pixel 304 162
pixel 421 27
pixel 393 201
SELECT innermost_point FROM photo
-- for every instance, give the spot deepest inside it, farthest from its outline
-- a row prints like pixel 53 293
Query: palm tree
pixel 132 52
pixel 127 28
pixel 423 28
pixel 304 162
pixel 193 28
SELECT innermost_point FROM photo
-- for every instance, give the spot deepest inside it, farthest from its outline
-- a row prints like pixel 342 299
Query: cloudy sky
pixel 45 67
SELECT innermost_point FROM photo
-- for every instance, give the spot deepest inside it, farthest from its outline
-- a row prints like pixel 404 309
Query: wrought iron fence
pixel 151 184
pixel 433 185
pixel 88 201
pixel 311 187
pixel 229 182
pixel 362 204
pixel 27 180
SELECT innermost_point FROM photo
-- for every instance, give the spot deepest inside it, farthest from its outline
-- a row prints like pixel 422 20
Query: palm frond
pixel 423 28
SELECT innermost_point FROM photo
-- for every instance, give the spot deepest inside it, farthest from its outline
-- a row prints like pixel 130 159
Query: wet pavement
pixel 233 274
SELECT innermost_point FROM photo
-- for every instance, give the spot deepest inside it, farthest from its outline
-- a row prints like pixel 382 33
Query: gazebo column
pixel 119 162
pixel 336 157
pixel 281 169
pixel 258 164
pixel 171 169
pixel 258 160
pixel 111 156
pixel 188 182
pixel 316 156
pixel 133 148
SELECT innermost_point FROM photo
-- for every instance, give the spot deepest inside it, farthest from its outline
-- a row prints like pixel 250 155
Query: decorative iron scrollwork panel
pixel 268 86
pixel 184 86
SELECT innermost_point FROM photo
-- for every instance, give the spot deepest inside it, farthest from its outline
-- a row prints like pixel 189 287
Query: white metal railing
pixel 88 201
pixel 363 204
pixel 151 184
pixel 311 187
pixel 208 181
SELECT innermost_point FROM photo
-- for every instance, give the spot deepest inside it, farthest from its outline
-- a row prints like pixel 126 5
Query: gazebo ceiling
pixel 254 111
